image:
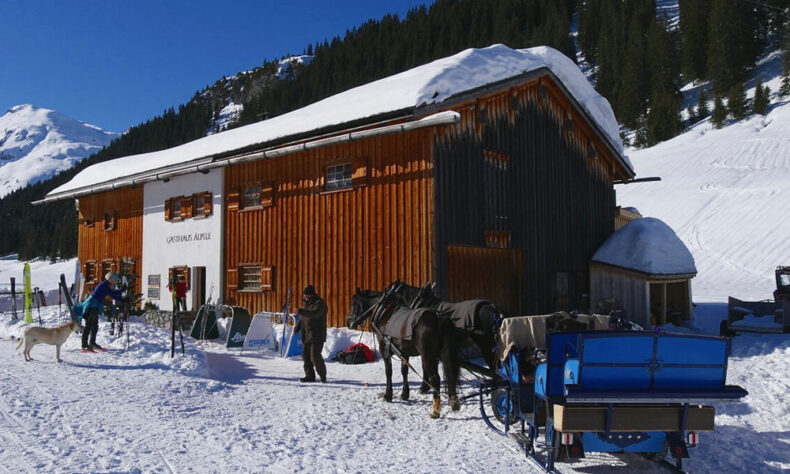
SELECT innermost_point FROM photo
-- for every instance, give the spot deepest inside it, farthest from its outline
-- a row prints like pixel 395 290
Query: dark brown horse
pixel 408 333
pixel 476 321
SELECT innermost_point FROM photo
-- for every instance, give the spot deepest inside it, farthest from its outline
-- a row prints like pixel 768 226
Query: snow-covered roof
pixel 430 83
pixel 649 246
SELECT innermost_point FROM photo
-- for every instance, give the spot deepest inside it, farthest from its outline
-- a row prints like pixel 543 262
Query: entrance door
pixel 198 287
pixel 485 273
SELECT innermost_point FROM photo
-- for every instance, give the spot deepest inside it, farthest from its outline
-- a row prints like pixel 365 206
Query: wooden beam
pixel 588 418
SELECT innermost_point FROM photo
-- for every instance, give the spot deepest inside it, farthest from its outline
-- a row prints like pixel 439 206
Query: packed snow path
pixel 219 411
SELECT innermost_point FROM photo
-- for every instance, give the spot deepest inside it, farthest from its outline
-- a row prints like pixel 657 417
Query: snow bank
pixel 149 346
pixel 431 83
pixel 647 245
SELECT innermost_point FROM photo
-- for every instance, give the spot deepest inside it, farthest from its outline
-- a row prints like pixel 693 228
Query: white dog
pixel 41 335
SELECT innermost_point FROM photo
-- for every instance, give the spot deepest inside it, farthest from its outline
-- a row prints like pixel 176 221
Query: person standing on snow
pixel 93 306
pixel 180 297
pixel 312 326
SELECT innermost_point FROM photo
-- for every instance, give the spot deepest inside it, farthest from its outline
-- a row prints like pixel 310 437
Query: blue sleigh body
pixel 611 392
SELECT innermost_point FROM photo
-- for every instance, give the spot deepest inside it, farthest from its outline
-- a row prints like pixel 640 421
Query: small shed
pixel 645 268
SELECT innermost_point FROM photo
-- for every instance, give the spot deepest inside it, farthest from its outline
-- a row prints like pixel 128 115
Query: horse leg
pixel 425 387
pixel 433 378
pixel 404 371
pixel 388 373
pixel 451 369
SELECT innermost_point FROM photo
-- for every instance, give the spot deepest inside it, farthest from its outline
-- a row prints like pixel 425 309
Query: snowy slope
pixel 36 143
pixel 725 192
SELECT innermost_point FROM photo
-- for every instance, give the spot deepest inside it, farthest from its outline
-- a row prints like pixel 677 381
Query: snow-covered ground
pixel 43 274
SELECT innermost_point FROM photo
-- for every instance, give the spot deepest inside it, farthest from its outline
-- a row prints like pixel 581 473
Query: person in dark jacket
pixel 312 328
pixel 94 305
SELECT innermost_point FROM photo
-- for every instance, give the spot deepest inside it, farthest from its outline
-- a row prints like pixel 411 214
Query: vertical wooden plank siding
pixel 523 162
pixel 125 241
pixel 366 236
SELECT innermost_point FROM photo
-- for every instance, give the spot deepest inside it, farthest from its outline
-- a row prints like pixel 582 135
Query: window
pixel 254 277
pixel 175 210
pixel 257 196
pixel 110 221
pixel 251 278
pixel 175 272
pixel 202 204
pixel 90 272
pixel 126 266
pixel 338 177
pixel 107 266
pixel 252 196
pixel 88 222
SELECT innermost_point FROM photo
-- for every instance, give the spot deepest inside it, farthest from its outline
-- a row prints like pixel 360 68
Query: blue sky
pixel 116 63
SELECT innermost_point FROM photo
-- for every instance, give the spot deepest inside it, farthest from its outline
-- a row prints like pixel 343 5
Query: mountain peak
pixel 36 143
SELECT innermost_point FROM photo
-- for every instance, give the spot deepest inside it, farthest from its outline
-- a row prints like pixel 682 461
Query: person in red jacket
pixel 180 297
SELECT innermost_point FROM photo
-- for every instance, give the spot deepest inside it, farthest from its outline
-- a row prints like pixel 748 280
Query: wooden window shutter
pixel 170 277
pixel 360 173
pixel 232 279
pixel 267 195
pixel 232 201
pixel 168 209
pixel 114 220
pixel 267 278
pixel 187 272
pixel 207 203
pixel 186 207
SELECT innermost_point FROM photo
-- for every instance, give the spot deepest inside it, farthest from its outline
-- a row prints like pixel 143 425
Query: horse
pixel 476 320
pixel 423 333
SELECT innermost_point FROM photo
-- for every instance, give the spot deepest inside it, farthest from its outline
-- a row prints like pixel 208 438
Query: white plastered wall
pixel 191 242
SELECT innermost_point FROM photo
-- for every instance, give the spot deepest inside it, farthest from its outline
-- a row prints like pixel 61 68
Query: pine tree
pixel 736 102
pixel 784 89
pixel 702 105
pixel 719 115
pixel 762 97
pixel 663 118
pixel 635 82
pixel 694 35
pixel 732 49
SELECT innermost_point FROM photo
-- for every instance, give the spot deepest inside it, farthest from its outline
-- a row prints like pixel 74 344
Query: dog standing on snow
pixel 40 335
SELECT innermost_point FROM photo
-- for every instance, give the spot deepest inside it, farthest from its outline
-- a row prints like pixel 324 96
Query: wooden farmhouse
pixel 490 172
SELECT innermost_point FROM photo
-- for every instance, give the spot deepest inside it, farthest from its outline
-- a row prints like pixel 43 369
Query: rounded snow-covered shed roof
pixel 647 245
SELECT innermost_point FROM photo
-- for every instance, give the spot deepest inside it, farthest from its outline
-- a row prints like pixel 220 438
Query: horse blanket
pixel 463 313
pixel 401 323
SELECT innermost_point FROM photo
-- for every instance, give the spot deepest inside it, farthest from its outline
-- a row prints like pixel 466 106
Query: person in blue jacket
pixel 93 306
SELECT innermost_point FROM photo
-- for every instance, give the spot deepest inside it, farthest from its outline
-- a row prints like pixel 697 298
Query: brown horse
pixel 408 333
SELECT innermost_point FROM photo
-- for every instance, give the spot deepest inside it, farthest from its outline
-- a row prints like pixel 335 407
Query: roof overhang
pixel 212 162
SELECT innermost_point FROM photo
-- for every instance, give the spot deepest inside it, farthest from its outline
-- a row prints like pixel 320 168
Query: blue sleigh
pixel 611 392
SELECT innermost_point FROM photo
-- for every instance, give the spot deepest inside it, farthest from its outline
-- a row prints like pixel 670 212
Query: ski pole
pixel 38 306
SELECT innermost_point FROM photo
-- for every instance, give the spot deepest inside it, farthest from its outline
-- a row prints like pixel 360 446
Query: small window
pixel 88 222
pixel 107 266
pixel 202 205
pixel 110 221
pixel 175 209
pixel 255 277
pixel 338 177
pixel 90 272
pixel 251 278
pixel 126 266
pixel 252 196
